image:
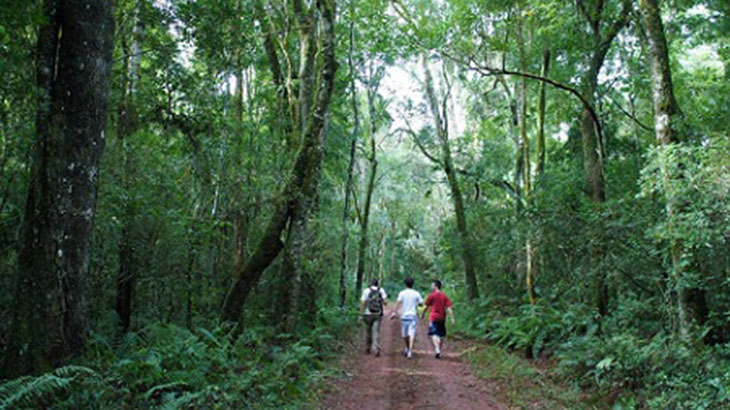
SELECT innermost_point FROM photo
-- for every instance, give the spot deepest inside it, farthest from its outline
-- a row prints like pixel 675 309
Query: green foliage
pixel 166 366
pixel 522 385
pixel 665 372
pixel 42 390
pixel 534 328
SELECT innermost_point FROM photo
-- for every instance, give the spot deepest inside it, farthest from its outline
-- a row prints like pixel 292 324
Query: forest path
pixel 393 381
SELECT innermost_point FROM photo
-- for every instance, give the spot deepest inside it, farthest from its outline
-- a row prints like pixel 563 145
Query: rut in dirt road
pixel 392 381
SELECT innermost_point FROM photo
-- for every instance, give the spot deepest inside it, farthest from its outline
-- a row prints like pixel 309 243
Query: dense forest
pixel 193 193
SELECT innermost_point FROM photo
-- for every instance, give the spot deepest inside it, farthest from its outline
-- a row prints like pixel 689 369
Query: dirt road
pixel 392 381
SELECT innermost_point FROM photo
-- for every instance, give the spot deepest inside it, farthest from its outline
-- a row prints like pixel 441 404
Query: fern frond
pixel 28 391
pixel 11 386
pixel 167 386
pixel 182 401
pixel 74 371
pixel 35 391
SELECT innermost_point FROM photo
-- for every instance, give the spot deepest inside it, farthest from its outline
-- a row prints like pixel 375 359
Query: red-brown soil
pixel 392 381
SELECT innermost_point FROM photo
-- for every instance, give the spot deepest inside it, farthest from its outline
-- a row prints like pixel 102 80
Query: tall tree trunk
pixel 127 125
pixel 351 164
pixel 667 117
pixel 49 323
pixel 364 222
pixel 541 114
pixel 531 249
pixel 526 166
pixel 302 177
pixel 529 279
pixel 442 129
pixel 373 162
pixel 593 153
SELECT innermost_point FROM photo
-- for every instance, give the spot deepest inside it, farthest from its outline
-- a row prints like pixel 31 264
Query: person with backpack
pixel 408 302
pixel 439 304
pixel 372 302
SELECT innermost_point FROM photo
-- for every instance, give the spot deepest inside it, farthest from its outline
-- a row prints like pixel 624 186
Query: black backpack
pixel 375 302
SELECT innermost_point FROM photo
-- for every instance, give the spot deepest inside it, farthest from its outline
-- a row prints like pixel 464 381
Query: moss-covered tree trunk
pixel 73 70
pixel 364 214
pixel 303 178
pixel 350 164
pixel 603 30
pixel 439 114
pixel 667 119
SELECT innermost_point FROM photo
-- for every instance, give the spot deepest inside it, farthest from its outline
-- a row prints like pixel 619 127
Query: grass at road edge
pixel 519 383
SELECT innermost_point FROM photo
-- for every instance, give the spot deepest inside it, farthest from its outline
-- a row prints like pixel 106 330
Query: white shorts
pixel 408 326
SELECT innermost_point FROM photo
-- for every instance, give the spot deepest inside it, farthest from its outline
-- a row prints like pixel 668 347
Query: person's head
pixel 409 282
pixel 436 284
pixel 374 282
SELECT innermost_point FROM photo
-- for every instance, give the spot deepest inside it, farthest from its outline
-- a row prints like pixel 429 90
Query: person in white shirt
pixel 408 302
pixel 371 313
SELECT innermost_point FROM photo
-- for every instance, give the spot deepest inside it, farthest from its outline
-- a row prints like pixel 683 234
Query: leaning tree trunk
pixel 442 129
pixel 49 322
pixel 302 177
pixel 365 213
pixel 364 222
pixel 667 117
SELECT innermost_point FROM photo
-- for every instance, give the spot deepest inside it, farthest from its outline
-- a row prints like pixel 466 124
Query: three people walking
pixel 438 303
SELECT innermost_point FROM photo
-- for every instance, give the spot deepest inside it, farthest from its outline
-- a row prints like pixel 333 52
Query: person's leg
pixel 376 335
pixel 433 336
pixel 412 335
pixel 436 344
pixel 404 333
pixel 368 333
pixel 440 333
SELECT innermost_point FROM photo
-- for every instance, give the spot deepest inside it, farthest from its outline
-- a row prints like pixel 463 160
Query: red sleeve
pixel 448 301
pixel 429 300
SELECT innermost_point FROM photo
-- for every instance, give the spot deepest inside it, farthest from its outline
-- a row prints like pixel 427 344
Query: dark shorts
pixel 437 328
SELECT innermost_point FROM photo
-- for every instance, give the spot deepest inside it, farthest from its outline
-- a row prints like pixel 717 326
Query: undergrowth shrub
pixel 661 371
pixel 633 368
pixel 167 366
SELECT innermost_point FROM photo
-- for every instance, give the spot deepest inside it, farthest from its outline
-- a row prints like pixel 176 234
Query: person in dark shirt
pixel 439 304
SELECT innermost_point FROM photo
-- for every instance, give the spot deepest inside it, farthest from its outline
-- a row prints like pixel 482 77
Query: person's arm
pixel 425 309
pixel 450 311
pixel 363 299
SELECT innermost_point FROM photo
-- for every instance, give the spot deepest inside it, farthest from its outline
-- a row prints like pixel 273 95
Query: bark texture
pixel 364 215
pixel 667 117
pixel 441 125
pixel 602 32
pixel 350 167
pixel 541 114
pixel 296 197
pixel 73 70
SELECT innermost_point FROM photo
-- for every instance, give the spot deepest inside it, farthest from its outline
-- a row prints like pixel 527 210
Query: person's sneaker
pixel 438 355
pixel 377 354
pixel 405 352
pixel 367 351
pixel 409 354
